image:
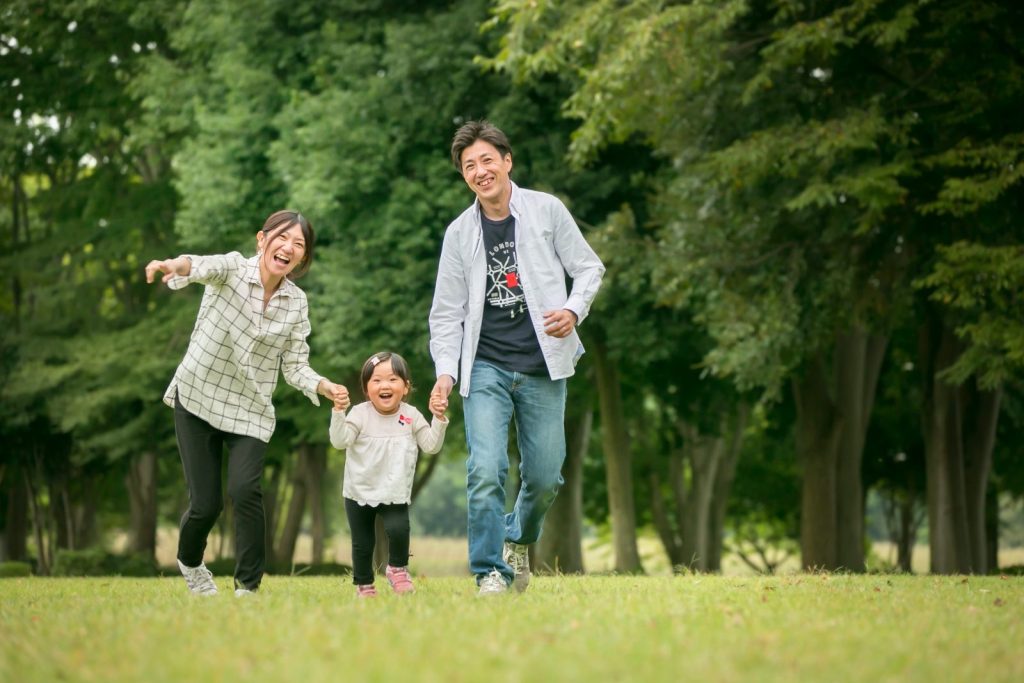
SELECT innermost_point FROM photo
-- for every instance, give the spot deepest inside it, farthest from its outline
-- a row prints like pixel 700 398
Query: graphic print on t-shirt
pixel 504 289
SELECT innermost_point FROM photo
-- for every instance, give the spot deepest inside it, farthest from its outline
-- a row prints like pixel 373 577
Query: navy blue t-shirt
pixel 507 337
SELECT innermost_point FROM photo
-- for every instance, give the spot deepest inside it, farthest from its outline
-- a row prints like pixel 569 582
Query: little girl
pixel 383 437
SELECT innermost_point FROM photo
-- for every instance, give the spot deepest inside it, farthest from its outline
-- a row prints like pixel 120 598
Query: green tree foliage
pixel 83 201
pixel 819 154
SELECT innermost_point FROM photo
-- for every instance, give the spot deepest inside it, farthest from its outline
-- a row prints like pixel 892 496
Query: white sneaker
pixel 243 592
pixel 518 557
pixel 199 579
pixel 492 584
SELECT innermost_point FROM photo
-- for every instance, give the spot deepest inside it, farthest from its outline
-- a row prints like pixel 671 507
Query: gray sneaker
pixel 199 579
pixel 492 584
pixel 518 557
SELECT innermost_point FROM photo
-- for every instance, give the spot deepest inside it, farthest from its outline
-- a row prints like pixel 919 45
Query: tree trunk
pixel 43 556
pixel 980 440
pixel 86 526
pixel 424 472
pixel 16 520
pixel 818 428
pixel 560 548
pixel 60 508
pixel 703 453
pixel 316 467
pixel 907 534
pixel 284 551
pixel 992 530
pixel 141 480
pixel 723 484
pixel 858 363
pixel 947 521
pixel 663 524
pixel 615 444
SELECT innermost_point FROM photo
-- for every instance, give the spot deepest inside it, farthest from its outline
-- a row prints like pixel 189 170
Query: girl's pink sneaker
pixel 367 591
pixel 399 579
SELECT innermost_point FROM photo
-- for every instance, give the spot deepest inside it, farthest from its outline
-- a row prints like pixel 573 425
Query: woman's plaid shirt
pixel 230 370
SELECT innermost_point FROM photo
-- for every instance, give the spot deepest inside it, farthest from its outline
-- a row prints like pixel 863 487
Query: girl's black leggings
pixel 361 519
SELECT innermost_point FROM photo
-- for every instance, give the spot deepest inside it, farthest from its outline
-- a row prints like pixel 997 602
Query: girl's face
pixel 386 390
pixel 283 252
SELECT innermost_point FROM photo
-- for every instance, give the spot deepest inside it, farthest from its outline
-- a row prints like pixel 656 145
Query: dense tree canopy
pixel 810 214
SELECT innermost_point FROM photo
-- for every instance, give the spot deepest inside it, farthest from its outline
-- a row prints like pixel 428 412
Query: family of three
pixel 502 326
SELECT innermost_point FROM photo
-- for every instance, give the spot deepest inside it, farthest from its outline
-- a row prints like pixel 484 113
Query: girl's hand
pixel 180 266
pixel 438 405
pixel 335 392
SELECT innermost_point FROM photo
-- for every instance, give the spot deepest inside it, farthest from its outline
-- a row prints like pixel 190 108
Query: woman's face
pixel 283 251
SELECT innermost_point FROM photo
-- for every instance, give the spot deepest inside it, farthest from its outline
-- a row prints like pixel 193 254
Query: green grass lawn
pixel 594 628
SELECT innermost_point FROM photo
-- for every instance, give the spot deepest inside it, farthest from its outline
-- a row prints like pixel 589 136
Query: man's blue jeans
pixel 538 405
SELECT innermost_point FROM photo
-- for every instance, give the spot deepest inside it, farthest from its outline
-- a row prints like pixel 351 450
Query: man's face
pixel 486 171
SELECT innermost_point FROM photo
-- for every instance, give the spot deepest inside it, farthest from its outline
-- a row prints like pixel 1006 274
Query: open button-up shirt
pixel 230 370
pixel 549 245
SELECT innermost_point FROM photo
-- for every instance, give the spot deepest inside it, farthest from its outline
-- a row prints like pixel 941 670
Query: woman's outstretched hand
pixel 336 393
pixel 170 267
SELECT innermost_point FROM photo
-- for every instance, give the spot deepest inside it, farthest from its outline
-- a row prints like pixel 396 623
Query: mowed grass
pixel 808 627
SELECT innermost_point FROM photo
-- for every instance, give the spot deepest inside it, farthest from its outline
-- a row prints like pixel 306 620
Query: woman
pixel 253 319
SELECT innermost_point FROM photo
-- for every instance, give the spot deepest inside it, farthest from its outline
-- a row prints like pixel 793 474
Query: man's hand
pixel 170 267
pixel 335 392
pixel 438 406
pixel 559 323
pixel 442 389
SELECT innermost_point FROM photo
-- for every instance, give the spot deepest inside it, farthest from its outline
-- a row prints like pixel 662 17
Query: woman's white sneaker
pixel 199 579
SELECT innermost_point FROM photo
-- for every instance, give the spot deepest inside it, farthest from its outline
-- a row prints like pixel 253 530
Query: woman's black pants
pixel 202 449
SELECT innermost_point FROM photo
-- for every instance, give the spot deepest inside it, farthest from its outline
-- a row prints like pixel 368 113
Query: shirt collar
pixel 513 203
pixel 252 275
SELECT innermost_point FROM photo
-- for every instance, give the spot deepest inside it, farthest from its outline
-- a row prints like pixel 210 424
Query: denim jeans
pixel 538 406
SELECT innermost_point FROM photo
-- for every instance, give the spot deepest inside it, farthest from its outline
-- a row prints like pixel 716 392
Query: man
pixel 501 317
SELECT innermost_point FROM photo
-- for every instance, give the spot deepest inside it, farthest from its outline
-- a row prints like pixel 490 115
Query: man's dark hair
pixel 472 131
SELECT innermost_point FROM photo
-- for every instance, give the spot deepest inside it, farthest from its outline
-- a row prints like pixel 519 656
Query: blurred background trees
pixel 810 214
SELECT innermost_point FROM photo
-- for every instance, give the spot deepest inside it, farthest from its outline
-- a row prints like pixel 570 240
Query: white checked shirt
pixel 230 370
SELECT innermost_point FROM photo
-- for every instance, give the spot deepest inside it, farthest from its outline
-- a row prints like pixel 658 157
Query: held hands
pixel 438 404
pixel 559 323
pixel 170 267
pixel 439 395
pixel 336 393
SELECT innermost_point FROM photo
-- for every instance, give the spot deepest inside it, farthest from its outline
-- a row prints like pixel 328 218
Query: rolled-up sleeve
pixel 579 260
